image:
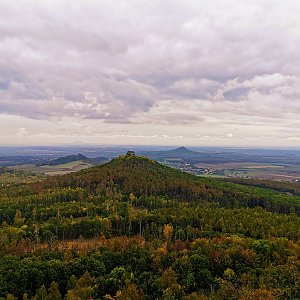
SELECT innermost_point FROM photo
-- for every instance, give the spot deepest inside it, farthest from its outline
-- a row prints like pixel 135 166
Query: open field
pixel 253 170
pixel 237 165
pixel 18 177
pixel 47 170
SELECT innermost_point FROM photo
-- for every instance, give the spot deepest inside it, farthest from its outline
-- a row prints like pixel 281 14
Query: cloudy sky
pixel 178 72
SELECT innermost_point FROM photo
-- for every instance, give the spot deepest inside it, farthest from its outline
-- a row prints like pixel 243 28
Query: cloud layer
pixel 197 69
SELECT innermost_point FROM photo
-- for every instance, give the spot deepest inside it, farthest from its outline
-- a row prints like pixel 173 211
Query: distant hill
pixel 178 153
pixel 214 157
pixel 145 177
pixel 79 157
pixel 130 174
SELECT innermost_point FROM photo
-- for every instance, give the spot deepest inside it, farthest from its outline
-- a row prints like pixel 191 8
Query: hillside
pixel 135 229
pixel 145 177
pixel 178 153
pixel 67 159
pixel 72 158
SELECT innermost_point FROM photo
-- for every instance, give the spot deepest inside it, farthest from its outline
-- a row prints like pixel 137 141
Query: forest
pixel 135 229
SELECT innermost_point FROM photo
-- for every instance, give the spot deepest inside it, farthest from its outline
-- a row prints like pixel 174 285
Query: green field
pixel 47 170
pixel 254 170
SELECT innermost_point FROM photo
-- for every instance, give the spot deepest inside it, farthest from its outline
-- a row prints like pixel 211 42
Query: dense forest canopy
pixel 134 229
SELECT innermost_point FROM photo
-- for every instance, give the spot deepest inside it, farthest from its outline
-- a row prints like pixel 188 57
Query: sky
pixel 157 72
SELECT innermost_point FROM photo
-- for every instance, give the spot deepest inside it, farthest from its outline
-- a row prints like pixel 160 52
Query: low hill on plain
pixel 144 177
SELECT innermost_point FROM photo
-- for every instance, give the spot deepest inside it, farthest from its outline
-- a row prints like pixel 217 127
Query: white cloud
pixel 174 65
pixel 21 132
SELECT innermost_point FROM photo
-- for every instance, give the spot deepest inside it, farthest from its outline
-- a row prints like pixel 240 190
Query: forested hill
pixel 71 158
pixel 135 229
pixel 181 153
pixel 144 177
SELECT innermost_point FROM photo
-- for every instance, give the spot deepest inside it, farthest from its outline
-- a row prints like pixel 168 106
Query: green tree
pixel 41 293
pixel 83 289
pixel 53 292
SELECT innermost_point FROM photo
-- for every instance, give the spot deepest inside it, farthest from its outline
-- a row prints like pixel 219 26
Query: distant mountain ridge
pixel 180 153
pixel 79 157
